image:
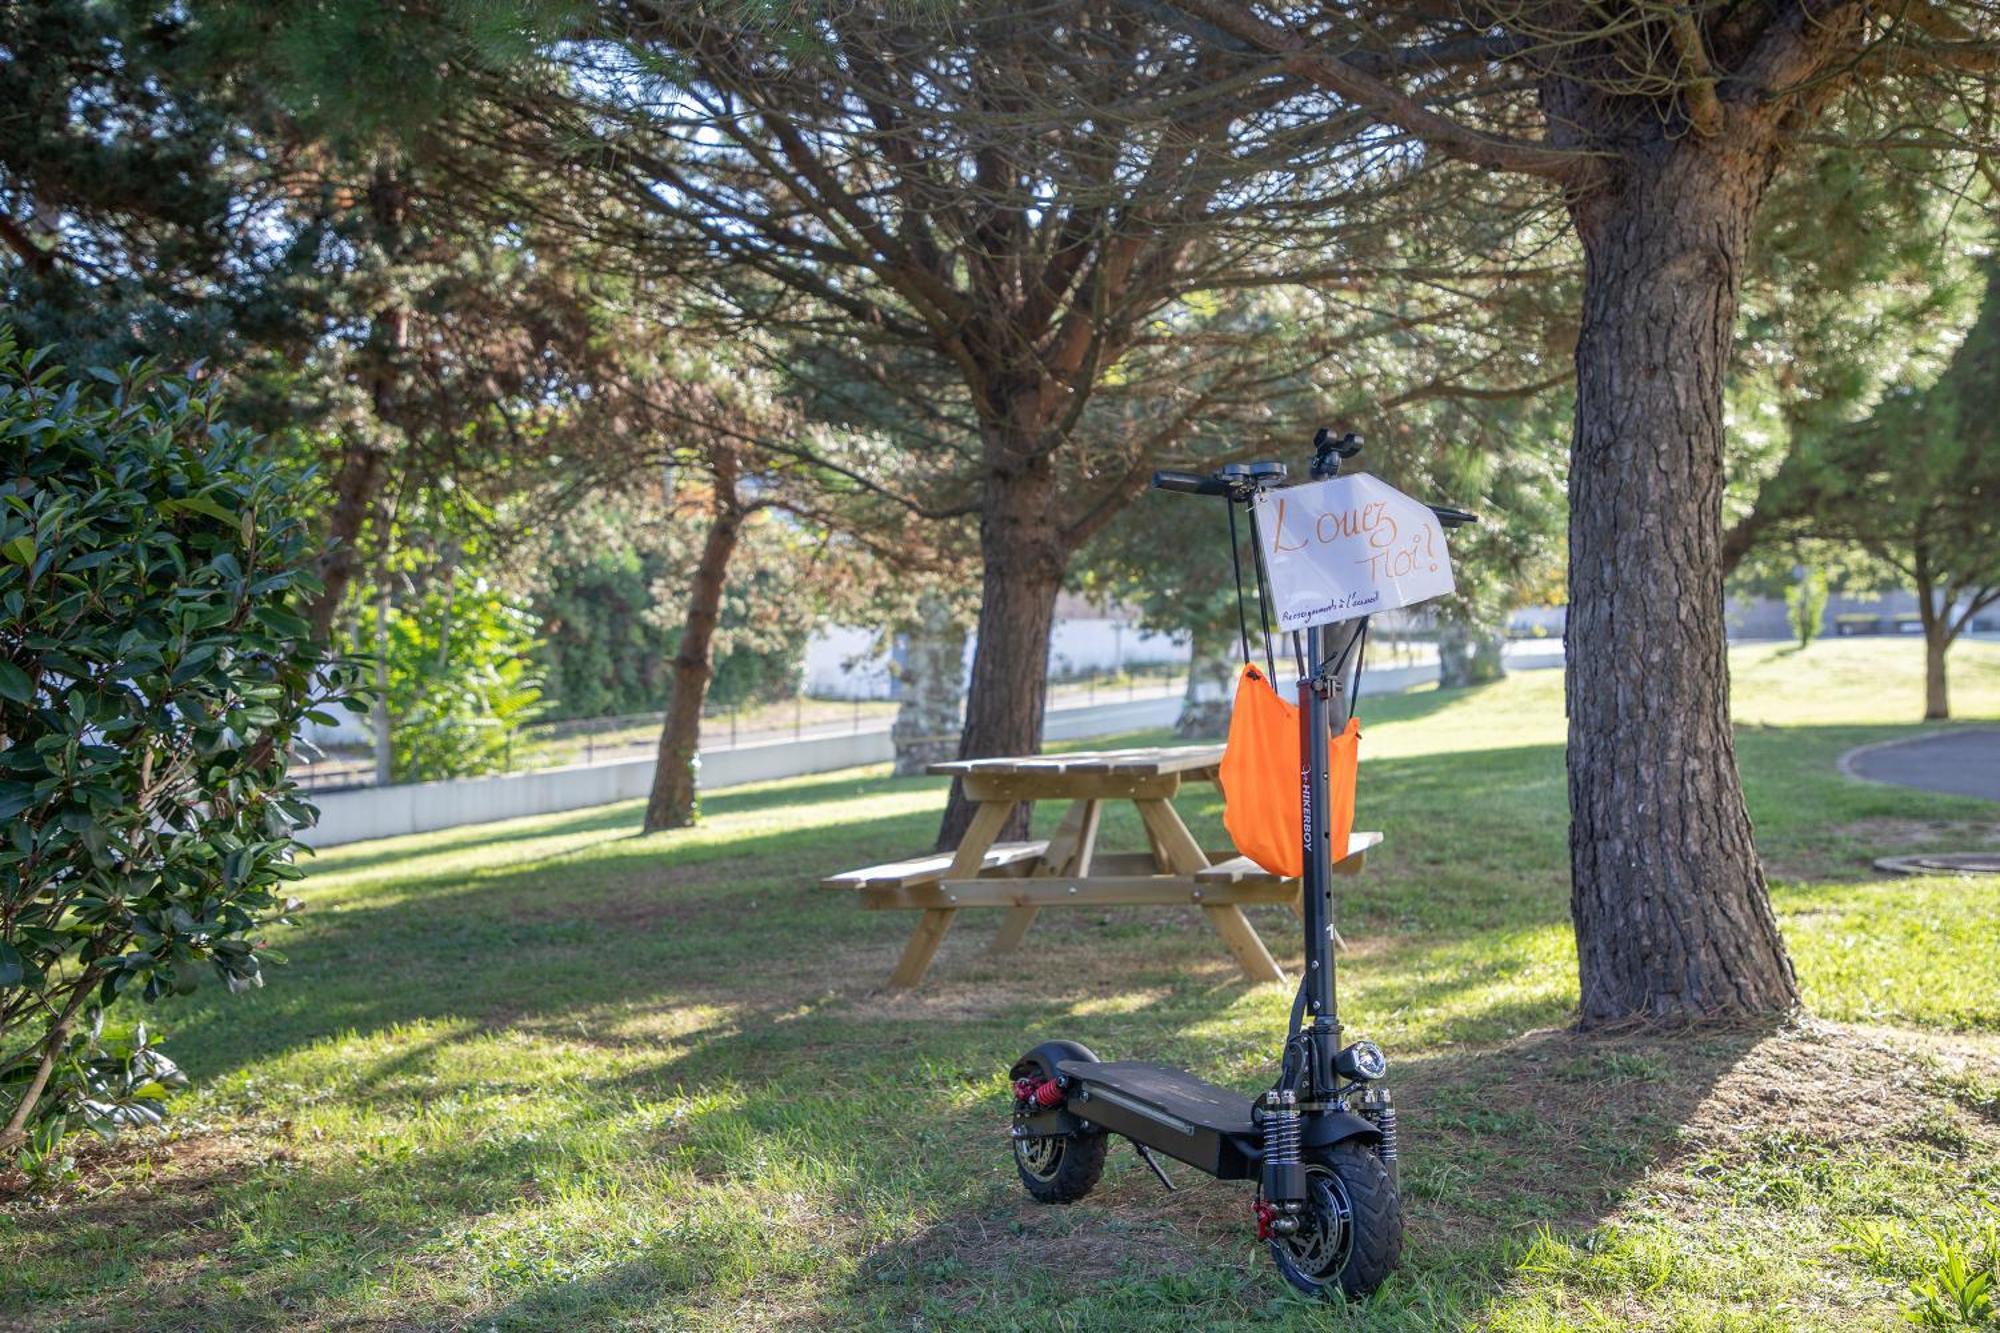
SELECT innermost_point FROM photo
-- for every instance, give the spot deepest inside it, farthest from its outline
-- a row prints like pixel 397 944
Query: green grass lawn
pixel 552 1074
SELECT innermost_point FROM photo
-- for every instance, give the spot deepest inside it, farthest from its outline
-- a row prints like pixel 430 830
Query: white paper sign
pixel 1348 547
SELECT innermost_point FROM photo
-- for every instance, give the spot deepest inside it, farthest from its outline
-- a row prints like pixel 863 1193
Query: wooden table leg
pixel 923 947
pixel 936 921
pixel 1069 853
pixel 1235 929
pixel 987 822
pixel 1182 855
pixel 1172 843
pixel 1014 928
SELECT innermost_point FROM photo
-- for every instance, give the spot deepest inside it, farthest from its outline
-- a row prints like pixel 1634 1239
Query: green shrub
pixel 460 680
pixel 153 678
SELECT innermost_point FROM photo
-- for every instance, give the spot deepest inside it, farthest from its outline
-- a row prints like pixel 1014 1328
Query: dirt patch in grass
pixel 1848 851
pixel 962 1257
pixel 1556 1127
pixel 164 1190
pixel 128 1172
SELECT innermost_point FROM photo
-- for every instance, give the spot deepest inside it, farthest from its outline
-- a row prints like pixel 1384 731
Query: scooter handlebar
pixel 1451 516
pixel 1190 483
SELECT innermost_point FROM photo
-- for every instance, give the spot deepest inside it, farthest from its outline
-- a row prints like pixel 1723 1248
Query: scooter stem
pixel 1323 708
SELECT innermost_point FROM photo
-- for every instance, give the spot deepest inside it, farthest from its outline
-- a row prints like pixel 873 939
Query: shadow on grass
pixel 775 982
pixel 1551 1129
pixel 673 918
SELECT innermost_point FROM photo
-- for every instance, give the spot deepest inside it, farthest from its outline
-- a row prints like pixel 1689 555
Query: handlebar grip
pixel 1451 516
pixel 1190 483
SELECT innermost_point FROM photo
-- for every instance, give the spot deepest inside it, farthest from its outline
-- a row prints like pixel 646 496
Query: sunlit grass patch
pixel 553 1074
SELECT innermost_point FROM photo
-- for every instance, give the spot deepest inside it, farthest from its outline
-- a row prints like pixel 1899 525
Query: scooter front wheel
pixel 1350 1236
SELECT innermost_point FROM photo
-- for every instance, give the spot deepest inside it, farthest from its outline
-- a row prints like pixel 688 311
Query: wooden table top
pixel 1147 761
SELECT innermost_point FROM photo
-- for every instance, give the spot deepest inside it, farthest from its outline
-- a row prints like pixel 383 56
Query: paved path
pixel 1964 761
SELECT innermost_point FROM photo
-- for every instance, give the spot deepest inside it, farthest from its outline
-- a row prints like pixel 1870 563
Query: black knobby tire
pixel 1060 1169
pixel 1351 1238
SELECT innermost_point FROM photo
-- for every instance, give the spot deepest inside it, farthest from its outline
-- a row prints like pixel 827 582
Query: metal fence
pixel 601 740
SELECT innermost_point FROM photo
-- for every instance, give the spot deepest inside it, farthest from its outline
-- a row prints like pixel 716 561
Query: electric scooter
pixel 1321 1143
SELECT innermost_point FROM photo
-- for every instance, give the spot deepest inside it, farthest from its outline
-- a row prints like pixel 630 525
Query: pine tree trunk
pixel 356 485
pixel 1211 667
pixel 1467 654
pixel 1022 546
pixel 1673 921
pixel 672 803
pixel 926 727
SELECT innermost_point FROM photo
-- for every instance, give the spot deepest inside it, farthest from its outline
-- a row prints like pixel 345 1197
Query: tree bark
pixel 1935 613
pixel 1022 544
pixel 357 482
pixel 1211 666
pixel 1468 654
pixel 926 727
pixel 355 486
pixel 1673 921
pixel 672 803
pixel 1937 700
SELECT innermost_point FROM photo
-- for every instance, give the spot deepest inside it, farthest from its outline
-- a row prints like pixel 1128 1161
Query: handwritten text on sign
pixel 1348 547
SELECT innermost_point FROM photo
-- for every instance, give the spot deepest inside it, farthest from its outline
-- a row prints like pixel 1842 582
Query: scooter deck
pixel 1176 1092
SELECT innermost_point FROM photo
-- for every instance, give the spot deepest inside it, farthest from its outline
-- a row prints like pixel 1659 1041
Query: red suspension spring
pixel 1041 1092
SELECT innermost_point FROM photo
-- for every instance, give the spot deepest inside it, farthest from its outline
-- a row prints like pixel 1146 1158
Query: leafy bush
pixel 153 677
pixel 1805 605
pixel 460 682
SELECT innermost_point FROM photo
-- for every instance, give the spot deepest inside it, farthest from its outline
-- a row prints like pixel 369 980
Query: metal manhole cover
pixel 1964 863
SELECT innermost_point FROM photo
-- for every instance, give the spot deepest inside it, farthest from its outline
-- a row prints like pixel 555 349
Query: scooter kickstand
pixel 1146 1156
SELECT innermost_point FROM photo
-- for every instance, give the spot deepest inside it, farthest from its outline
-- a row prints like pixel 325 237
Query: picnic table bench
pixel 1067 869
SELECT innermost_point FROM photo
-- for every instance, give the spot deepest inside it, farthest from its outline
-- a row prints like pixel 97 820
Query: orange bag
pixel 1261 772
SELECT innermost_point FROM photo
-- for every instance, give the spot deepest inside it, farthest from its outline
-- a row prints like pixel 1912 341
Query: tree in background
pixel 123 203
pixel 155 674
pixel 1662 127
pixel 602 652
pixel 1174 569
pixel 608 577
pixel 930 681
pixel 1499 454
pixel 192 183
pixel 1861 281
pixel 731 498
pixel 990 217
pixel 1805 604
pixel 1917 485
pixel 459 680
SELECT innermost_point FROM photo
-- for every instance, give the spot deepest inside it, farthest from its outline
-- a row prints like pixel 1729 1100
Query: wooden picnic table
pixel 1067 869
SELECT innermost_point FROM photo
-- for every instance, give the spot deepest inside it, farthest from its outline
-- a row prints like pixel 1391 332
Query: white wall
pixel 842 663
pixel 1095 644
pixel 419 807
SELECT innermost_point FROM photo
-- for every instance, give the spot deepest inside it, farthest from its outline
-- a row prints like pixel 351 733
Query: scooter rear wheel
pixel 1351 1234
pixel 1062 1168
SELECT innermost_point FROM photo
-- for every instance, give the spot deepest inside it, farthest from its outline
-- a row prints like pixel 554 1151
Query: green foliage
pixel 154 677
pixel 1956 1287
pixel 1805 604
pixel 461 682
pixel 603 652
pixel 611 597
pixel 100 1083
pixel 115 176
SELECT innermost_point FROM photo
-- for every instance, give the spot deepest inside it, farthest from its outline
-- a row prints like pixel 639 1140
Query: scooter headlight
pixel 1363 1060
